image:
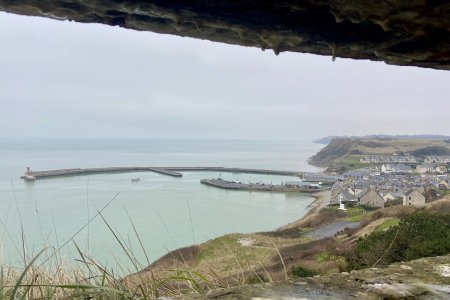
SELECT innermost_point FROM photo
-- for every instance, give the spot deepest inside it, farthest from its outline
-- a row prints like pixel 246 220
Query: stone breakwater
pixel 175 172
pixel 88 171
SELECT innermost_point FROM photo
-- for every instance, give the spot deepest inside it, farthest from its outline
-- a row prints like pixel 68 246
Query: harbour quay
pixel 289 186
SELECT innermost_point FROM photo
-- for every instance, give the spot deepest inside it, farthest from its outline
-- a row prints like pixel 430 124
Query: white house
pixel 388 196
pixel 395 168
pixel 426 168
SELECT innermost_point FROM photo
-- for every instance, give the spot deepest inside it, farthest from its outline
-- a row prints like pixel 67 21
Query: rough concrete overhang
pixel 399 32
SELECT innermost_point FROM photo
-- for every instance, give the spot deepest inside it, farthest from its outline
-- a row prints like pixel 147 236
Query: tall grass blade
pixel 190 219
pixel 21 223
pixel 83 259
pixel 138 237
pixel 11 239
pixel 103 278
pixel 2 283
pixel 143 292
pixel 171 237
pixel 81 229
pixel 87 207
pixel 267 273
pixel 22 276
pixel 120 242
pixel 286 277
pixel 24 295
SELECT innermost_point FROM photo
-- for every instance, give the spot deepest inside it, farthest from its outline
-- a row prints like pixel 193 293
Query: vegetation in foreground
pixel 420 234
pixel 385 236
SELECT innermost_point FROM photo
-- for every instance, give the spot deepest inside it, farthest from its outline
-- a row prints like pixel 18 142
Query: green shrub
pixel 419 234
pixel 302 272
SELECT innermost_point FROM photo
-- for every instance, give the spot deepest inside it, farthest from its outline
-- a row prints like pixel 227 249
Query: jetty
pixel 175 172
pixel 89 171
pixel 303 187
pixel 237 170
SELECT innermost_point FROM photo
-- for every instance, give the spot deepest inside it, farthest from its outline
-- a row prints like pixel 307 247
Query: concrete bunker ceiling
pixel 398 32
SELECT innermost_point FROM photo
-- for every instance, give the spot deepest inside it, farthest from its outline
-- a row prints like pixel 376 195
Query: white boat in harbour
pixel 135 179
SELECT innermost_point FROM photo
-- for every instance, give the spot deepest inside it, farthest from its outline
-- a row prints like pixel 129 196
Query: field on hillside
pixel 343 154
pixel 381 146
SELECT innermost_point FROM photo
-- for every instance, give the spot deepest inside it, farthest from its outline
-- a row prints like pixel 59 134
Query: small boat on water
pixel 135 179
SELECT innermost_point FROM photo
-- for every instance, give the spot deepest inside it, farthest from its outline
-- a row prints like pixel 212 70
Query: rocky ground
pixel 427 278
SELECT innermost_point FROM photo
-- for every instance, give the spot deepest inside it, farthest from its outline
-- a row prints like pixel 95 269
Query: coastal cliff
pixel 343 154
pixel 337 148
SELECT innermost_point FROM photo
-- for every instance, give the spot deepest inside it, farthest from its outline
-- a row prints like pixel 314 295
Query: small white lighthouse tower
pixel 341 205
pixel 29 175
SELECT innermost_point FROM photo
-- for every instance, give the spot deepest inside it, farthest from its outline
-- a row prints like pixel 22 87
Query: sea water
pixel 167 212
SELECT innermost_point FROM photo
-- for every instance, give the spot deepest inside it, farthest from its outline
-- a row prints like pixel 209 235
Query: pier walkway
pixel 176 172
pixel 237 170
pixel 88 171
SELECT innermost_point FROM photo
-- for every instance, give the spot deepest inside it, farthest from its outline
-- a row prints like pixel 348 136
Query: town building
pixel 413 198
pixel 395 169
pixel 371 198
pixel 388 196
pixel 302 185
pixel 382 159
pixel 343 194
pixel 441 169
pixel 443 185
pixel 426 168
pixel 444 159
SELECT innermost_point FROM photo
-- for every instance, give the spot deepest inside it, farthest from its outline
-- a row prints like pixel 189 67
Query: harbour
pixel 75 178
pixel 307 183
pixel 174 172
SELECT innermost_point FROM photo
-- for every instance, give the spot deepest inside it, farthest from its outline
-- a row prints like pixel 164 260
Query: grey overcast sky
pixel 89 80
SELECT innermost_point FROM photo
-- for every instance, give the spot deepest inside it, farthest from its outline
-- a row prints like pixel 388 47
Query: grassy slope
pixel 400 146
pixel 231 261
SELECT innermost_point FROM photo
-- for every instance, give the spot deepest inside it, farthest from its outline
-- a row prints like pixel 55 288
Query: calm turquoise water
pixel 52 210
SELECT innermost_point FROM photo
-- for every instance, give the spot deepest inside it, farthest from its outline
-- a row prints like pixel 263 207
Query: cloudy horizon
pixel 66 79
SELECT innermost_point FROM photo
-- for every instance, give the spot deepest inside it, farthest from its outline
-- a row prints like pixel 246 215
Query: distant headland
pixel 435 137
